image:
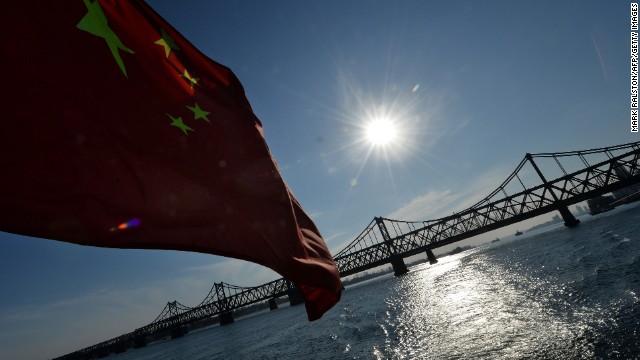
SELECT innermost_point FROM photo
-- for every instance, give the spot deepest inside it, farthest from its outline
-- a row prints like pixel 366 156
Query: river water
pixel 555 294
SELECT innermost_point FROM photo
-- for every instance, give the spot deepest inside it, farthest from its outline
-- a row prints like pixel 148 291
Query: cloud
pixel 231 271
pixel 438 203
pixel 425 206
pixel 71 324
pixel 340 240
pixel 68 325
pixel 314 215
pixel 335 237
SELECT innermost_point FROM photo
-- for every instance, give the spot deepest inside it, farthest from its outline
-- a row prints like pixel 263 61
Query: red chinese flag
pixel 117 132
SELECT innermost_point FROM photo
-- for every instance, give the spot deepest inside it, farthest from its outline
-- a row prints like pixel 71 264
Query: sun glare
pixel 381 132
pixel 381 128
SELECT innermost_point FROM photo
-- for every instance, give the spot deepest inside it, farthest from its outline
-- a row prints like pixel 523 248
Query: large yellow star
pixel 190 79
pixel 95 22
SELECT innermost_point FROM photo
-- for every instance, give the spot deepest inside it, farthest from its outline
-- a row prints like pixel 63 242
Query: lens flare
pixel 127 225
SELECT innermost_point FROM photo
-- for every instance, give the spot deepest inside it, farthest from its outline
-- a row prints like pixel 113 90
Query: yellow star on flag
pixel 179 123
pixel 167 43
pixel 95 22
pixel 190 79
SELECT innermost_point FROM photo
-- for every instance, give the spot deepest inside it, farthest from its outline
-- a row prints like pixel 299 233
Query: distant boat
pixel 496 240
pixel 600 204
pixel 459 249
pixel 518 233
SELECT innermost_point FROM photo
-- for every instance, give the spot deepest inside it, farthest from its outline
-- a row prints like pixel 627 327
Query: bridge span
pixel 568 178
pixel 525 194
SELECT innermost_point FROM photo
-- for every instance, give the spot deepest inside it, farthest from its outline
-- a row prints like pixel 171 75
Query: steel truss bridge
pixel 571 177
pixel 174 320
pixel 526 193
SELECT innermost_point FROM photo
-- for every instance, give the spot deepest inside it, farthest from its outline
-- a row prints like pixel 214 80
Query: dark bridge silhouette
pixel 175 319
pixel 526 193
pixel 389 241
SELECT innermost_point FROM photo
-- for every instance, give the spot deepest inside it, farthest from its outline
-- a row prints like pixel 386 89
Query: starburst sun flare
pixel 381 132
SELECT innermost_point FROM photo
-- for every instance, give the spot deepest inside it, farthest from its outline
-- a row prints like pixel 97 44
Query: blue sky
pixel 472 87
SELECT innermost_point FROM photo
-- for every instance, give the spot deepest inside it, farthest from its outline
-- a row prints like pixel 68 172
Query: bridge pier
pixel 295 296
pixel 119 348
pixel 179 331
pixel 399 267
pixel 272 304
pixel 101 353
pixel 226 318
pixel 140 341
pixel 431 257
pixel 569 220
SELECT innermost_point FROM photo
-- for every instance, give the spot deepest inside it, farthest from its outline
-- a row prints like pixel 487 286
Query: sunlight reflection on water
pixel 475 310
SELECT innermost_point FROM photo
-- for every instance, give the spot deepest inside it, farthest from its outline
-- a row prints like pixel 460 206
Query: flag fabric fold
pixel 118 132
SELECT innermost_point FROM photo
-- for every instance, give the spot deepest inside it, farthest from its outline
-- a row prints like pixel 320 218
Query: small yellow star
pixel 179 123
pixel 167 43
pixel 190 79
pixel 198 113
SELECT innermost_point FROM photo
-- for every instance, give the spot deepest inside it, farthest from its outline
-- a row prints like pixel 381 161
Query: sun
pixel 381 132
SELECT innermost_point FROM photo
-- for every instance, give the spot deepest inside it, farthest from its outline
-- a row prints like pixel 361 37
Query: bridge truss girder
pixel 606 176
